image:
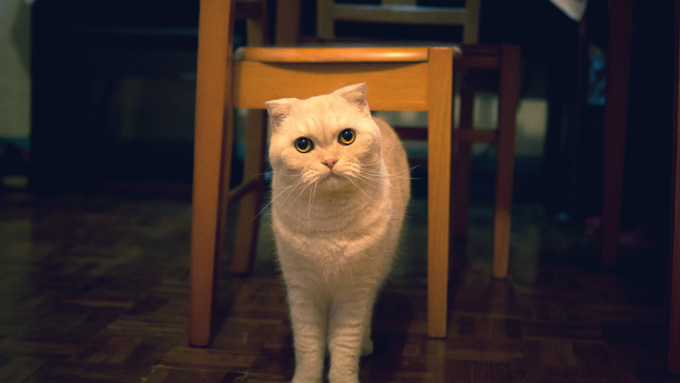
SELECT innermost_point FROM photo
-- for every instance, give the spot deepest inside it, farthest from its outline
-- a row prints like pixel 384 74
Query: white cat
pixel 340 189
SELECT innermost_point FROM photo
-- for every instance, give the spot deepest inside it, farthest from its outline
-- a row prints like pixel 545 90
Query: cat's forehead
pixel 322 113
pixel 325 103
pixel 320 126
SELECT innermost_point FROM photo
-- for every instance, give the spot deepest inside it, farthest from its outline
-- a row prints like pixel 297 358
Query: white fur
pixel 336 231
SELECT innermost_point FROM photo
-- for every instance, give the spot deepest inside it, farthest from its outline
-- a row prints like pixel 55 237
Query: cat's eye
pixel 303 144
pixel 347 136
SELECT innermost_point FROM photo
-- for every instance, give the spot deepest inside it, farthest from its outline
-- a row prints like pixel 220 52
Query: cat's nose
pixel 330 162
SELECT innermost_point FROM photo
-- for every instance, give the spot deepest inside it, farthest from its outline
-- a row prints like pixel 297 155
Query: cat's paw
pixel 367 347
pixel 306 379
pixel 344 380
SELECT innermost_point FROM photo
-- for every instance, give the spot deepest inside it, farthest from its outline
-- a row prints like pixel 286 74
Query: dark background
pixel 98 65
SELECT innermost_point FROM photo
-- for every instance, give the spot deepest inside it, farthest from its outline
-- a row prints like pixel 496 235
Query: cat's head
pixel 329 139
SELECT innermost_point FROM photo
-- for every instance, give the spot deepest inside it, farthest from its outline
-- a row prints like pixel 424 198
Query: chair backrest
pixel 397 78
pixel 263 74
pixel 398 12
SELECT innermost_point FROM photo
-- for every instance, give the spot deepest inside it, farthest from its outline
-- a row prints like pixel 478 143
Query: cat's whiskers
pixel 386 155
pixel 312 195
pixel 379 161
pixel 404 174
pixel 360 189
pixel 293 174
pixel 287 190
pixel 310 176
pixel 302 192
pixel 374 182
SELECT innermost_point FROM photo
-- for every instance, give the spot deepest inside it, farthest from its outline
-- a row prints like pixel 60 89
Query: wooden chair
pixel 505 59
pixel 397 79
pixel 397 12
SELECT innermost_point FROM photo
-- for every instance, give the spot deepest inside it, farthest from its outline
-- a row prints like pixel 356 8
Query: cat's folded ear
pixel 355 95
pixel 279 110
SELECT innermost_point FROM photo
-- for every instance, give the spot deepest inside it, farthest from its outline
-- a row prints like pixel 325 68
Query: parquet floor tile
pixel 94 288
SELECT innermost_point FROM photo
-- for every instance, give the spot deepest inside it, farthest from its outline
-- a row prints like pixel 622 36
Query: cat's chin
pixel 333 180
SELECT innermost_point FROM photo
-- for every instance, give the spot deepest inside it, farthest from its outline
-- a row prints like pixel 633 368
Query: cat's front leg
pixel 367 344
pixel 308 316
pixel 349 332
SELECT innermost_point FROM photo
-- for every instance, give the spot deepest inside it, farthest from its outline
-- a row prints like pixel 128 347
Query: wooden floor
pixel 94 288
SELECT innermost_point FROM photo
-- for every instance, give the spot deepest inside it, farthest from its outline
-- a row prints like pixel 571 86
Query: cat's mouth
pixel 332 176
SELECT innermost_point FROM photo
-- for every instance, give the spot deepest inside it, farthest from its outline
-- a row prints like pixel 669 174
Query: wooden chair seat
pixel 326 54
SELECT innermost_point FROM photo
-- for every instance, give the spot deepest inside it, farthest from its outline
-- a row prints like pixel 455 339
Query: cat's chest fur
pixel 333 232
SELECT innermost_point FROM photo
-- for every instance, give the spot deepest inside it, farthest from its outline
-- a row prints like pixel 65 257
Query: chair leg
pixel 439 188
pixel 508 95
pixel 615 120
pixel 460 193
pixel 210 198
pixel 209 205
pixel 211 164
pixel 250 205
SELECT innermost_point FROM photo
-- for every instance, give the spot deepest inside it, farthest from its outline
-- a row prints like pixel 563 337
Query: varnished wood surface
pixel 273 81
pixel 211 166
pixel 439 188
pixel 95 288
pixel 508 99
pixel 334 55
